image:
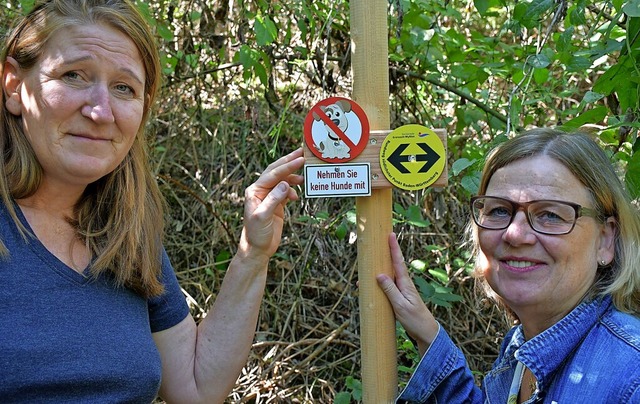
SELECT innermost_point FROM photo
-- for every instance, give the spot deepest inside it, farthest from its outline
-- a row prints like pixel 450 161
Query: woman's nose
pixel 519 230
pixel 98 108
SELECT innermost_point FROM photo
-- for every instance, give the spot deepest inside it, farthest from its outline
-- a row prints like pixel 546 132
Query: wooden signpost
pixel 412 157
pixel 370 67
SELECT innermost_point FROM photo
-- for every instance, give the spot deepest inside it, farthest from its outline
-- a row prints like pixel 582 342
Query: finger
pixel 283 171
pixel 390 289
pixel 286 158
pixel 397 259
pixel 279 194
pixel 295 179
pixel 285 161
pixel 292 195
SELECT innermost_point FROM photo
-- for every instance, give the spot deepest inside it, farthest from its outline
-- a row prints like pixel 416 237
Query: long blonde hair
pixel 120 216
pixel 588 162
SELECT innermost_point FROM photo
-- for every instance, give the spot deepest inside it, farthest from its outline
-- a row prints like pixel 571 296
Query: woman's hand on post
pixel 264 205
pixel 408 306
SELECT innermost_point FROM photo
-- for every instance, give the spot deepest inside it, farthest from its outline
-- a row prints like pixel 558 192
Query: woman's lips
pixel 520 266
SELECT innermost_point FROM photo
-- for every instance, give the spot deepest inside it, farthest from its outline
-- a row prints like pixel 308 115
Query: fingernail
pixel 282 187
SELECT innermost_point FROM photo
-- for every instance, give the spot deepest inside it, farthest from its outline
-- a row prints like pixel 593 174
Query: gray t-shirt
pixel 70 338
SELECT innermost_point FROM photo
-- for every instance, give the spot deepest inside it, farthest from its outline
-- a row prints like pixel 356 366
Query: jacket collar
pixel 546 353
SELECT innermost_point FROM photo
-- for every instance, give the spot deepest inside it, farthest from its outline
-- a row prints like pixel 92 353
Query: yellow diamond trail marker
pixel 412 157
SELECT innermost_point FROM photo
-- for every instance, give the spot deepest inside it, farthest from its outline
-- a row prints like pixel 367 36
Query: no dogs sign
pixel 336 130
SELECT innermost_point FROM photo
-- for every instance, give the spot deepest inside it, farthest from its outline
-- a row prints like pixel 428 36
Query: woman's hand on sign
pixel 264 204
pixel 408 306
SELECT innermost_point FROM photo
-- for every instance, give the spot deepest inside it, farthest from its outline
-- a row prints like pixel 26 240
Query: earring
pixel 603 262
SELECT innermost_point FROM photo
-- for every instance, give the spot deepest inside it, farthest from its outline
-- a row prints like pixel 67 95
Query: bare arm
pixel 200 364
pixel 408 306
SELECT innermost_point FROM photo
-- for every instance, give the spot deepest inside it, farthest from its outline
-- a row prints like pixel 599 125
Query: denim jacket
pixel 592 355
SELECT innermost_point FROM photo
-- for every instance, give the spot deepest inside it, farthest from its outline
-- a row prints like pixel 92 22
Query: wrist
pixel 249 256
pixel 427 337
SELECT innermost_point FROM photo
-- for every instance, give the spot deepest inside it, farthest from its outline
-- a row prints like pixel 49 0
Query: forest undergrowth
pixel 307 346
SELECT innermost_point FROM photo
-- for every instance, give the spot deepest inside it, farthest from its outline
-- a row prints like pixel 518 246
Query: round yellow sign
pixel 412 157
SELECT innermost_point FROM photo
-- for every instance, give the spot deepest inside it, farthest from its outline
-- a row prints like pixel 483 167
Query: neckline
pixel 47 256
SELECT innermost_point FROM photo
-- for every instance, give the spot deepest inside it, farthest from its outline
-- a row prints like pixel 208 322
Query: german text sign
pixel 337 180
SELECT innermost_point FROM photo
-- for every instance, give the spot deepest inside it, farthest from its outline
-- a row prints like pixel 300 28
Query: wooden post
pixel 369 43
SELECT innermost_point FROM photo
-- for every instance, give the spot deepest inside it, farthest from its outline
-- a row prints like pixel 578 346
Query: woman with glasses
pixel 555 238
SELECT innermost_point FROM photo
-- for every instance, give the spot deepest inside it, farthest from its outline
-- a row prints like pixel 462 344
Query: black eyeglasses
pixel 544 216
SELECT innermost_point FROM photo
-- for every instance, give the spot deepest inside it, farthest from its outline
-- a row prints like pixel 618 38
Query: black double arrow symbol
pixel 430 157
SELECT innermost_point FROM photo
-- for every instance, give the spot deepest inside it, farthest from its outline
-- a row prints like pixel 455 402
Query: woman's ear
pixel 606 251
pixel 11 84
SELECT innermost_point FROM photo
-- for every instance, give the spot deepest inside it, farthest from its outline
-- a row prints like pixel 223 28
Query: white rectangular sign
pixel 337 180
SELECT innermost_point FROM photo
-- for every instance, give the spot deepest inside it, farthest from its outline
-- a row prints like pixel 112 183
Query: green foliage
pixel 27 5
pixel 434 291
pixel 411 215
pixel 353 393
pixel 339 225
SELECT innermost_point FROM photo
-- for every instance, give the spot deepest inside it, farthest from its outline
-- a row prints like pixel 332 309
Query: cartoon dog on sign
pixel 330 145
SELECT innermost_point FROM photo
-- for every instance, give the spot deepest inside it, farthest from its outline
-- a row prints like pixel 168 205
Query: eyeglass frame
pixel 516 206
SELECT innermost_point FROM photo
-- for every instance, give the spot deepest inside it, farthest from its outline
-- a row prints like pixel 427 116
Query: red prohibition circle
pixel 336 130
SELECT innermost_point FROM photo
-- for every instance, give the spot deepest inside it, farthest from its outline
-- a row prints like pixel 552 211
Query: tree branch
pixel 453 90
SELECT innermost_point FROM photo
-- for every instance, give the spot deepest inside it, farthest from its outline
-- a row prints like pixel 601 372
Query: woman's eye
pixel 124 89
pixel 549 216
pixel 71 75
pixel 499 212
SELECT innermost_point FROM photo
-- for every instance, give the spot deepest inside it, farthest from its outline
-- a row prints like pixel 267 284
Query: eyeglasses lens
pixel 549 217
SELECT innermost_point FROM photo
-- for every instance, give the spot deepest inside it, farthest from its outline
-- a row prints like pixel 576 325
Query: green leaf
pixel 577 16
pixel 482 6
pixel 591 97
pixel 578 64
pixel 440 302
pixel 632 8
pixel 471 183
pixel 342 398
pixel 535 12
pixel 632 177
pixel 450 297
pixel 322 215
pixel 418 265
pixel 223 258
pixel 440 274
pixel 615 77
pixel 414 217
pixel 628 96
pixel 516 109
pixel 247 57
pixel 539 61
pixel 541 76
pixel 355 386
pixel 460 165
pixel 341 231
pixel 563 44
pixel 27 5
pixel 425 288
pixel 165 32
pixel 465 71
pixel 595 115
pixel 399 209
pixel 195 16
pixel 609 136
pixel 266 30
